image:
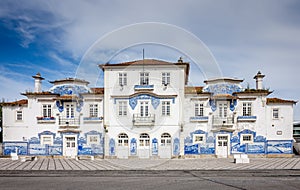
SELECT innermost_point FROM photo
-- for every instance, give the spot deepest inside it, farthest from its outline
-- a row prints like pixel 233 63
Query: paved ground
pixel 46 164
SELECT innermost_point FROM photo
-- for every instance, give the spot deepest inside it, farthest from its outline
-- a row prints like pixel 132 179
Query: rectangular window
pixel 47 111
pixel 199 110
pixel 19 115
pixel 122 108
pixel 165 78
pixel 47 139
pixel 144 109
pixel 247 138
pixel 70 111
pixel 166 108
pixel 275 113
pixel 93 139
pixel 93 110
pixel 247 109
pixel 144 78
pixel 122 79
pixel 198 138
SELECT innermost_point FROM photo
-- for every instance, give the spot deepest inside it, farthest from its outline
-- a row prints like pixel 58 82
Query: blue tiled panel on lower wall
pixel 34 147
pixel 280 147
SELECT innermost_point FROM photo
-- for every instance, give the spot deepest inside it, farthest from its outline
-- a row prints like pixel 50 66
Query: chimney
pixel 259 80
pixel 38 82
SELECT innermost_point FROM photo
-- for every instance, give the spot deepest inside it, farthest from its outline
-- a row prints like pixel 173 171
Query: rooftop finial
pixel 180 60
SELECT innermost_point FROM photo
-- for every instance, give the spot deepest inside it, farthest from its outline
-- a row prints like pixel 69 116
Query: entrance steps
pixel 241 159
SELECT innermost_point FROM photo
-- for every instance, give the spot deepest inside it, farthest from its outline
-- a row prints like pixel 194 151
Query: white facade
pixel 146 110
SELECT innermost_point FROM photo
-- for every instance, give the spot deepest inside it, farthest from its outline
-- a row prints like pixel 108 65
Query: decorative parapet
pixel 246 118
pixel 45 119
pixel 92 119
pixel 199 119
pixel 143 87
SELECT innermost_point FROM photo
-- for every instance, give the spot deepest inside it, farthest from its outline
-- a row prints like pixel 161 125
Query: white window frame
pixel 199 109
pixel 244 141
pixel 247 109
pixel 48 142
pixel 47 110
pixel 144 108
pixel 70 111
pixel 144 78
pixel 144 140
pixel 93 139
pixel 122 108
pixel 123 139
pixel 166 108
pixel 165 139
pixel 19 115
pixel 198 138
pixel 165 78
pixel 275 115
pixel 93 110
pixel 122 79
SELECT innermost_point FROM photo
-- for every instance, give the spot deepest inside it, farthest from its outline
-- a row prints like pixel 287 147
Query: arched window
pixel 144 139
pixel 123 139
pixel 165 139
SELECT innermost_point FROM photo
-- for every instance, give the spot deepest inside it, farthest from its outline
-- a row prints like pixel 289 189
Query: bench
pixel 84 157
pixel 28 158
pixel 241 159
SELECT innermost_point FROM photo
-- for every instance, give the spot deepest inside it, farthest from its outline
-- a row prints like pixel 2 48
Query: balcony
pixel 42 120
pixel 65 122
pixel 144 87
pixel 92 119
pixel 222 123
pixel 246 118
pixel 199 119
pixel 139 120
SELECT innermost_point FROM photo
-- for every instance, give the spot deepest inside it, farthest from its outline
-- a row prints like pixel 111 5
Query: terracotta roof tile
pixel 97 90
pixel 16 103
pixel 193 90
pixel 279 101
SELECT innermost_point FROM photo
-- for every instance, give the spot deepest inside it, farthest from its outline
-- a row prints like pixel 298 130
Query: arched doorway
pixel 165 149
pixel 144 146
pixel 122 148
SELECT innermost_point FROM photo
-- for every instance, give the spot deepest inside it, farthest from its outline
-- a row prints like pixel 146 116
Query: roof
pixel 223 79
pixel 193 90
pixel 16 103
pixel 144 62
pixel 254 91
pixel 38 93
pixel 69 80
pixel 97 90
pixel 152 62
pixel 279 101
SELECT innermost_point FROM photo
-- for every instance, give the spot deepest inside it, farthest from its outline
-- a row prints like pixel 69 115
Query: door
pixel 144 146
pixel 144 109
pixel 222 146
pixel 223 106
pixel 122 148
pixel 70 146
pixel 165 149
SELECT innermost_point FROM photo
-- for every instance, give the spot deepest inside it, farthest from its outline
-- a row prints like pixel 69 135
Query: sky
pixel 54 37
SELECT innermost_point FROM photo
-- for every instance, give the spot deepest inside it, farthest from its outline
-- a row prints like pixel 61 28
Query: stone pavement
pixel 43 164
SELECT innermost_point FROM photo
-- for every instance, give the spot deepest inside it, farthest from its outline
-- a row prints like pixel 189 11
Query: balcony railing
pixel 223 121
pixel 199 119
pixel 246 118
pixel 148 120
pixel 66 121
pixel 92 119
pixel 45 119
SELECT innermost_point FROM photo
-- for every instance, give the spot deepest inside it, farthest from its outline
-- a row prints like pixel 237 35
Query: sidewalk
pixel 45 164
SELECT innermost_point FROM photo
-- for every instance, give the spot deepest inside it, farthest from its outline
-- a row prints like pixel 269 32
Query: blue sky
pixel 51 37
